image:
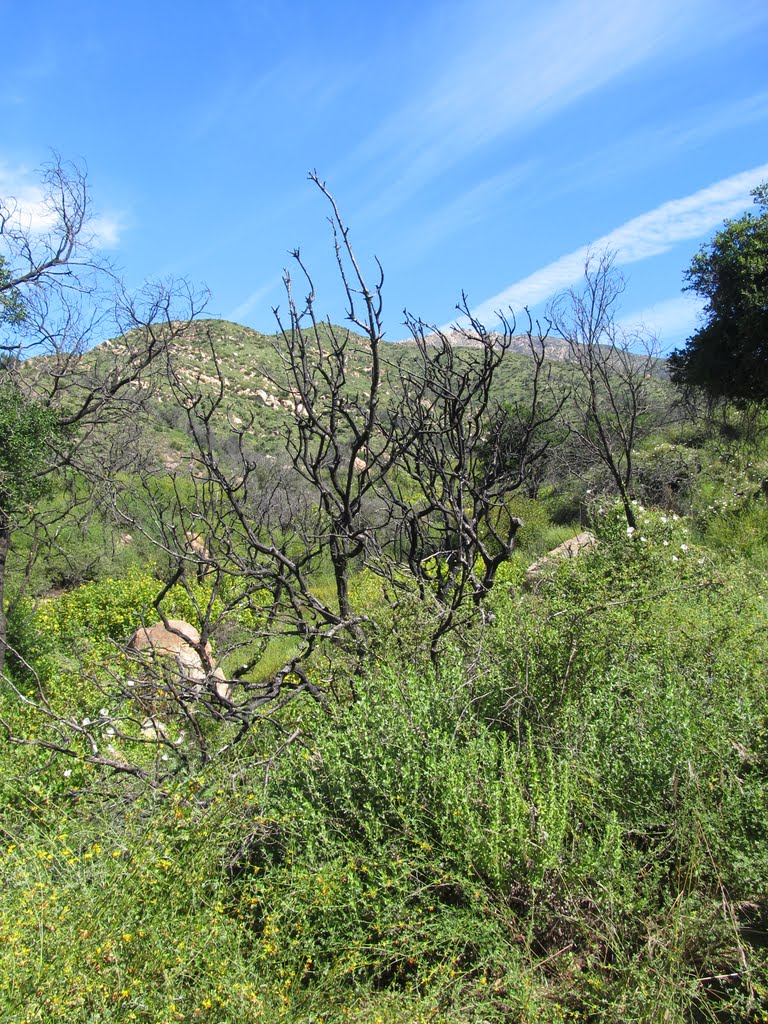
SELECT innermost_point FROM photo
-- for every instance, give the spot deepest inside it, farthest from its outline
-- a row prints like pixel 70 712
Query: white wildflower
pixel 630 530
pixel 67 772
pixel 683 547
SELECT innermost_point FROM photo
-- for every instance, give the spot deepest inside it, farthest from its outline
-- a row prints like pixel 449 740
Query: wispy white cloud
pixel 510 76
pixel 25 198
pixel 466 210
pixel 670 321
pixel 32 213
pixel 648 145
pixel 107 230
pixel 650 234
pixel 253 300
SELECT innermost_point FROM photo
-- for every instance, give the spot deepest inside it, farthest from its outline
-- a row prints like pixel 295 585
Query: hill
pixel 558 818
pixel 248 366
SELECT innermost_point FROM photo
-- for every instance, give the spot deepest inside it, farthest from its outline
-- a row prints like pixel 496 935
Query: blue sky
pixel 481 146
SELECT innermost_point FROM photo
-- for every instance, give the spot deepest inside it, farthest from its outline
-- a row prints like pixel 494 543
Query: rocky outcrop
pixel 555 349
pixel 568 549
pixel 272 401
pixel 175 648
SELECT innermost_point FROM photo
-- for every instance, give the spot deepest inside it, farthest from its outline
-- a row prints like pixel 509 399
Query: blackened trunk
pixel 5 543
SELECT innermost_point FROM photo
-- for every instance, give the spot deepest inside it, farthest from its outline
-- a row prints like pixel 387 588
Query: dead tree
pixel 615 388
pixel 462 454
pixel 338 441
pixel 64 404
pixel 400 460
pixel 366 428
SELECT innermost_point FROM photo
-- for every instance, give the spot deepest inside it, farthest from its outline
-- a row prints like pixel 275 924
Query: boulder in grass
pixel 568 549
pixel 176 646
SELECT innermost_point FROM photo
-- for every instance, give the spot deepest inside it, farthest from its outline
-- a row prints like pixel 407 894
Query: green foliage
pixel 11 304
pixel 665 475
pixel 532 537
pixel 110 610
pixel 27 430
pixel 565 820
pixel 571 828
pixel 70 645
pixel 728 356
pixel 730 506
pixel 739 529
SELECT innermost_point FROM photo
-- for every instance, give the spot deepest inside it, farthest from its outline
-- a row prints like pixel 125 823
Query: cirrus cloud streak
pixel 640 238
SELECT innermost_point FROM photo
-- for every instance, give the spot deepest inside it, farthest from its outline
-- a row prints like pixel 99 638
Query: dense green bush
pixel 567 823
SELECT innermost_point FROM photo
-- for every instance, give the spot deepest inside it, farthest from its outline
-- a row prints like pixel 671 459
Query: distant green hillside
pixel 248 365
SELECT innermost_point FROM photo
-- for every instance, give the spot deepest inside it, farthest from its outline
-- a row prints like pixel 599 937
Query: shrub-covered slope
pixel 570 824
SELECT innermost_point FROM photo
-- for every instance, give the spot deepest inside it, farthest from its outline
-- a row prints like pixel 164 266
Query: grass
pixel 564 821
pixel 571 828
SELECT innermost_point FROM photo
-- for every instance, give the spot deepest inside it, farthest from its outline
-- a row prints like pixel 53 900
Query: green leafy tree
pixel 728 355
pixel 27 431
pixel 61 406
pixel 11 306
pixel 26 428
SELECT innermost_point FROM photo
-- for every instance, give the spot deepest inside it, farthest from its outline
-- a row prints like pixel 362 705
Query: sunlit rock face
pixel 177 648
pixel 568 549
